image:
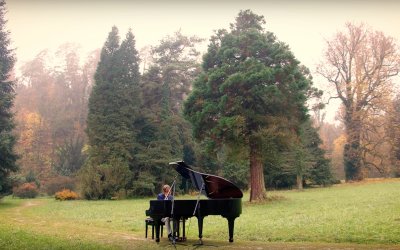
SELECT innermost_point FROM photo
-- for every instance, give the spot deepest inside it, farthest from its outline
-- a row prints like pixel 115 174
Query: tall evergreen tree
pixel 319 171
pixel 7 140
pixel 300 162
pixel 167 82
pixel 250 84
pixel 113 108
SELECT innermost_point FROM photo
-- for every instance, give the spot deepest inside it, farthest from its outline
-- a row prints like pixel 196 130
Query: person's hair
pixel 165 188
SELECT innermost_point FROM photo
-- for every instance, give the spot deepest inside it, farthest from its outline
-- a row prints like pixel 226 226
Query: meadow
pixel 362 215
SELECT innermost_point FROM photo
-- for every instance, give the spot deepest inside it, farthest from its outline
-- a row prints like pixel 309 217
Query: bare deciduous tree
pixel 359 64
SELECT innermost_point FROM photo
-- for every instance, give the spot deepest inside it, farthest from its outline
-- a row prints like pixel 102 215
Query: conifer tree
pixel 251 83
pixel 319 171
pixel 7 140
pixel 165 85
pixel 113 107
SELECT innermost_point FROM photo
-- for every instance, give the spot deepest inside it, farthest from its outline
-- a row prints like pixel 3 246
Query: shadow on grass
pixel 8 203
pixel 195 244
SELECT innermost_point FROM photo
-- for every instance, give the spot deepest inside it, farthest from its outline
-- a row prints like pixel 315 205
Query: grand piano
pixel 224 198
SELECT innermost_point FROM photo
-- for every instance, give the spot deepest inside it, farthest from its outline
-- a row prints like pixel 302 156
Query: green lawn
pixel 357 216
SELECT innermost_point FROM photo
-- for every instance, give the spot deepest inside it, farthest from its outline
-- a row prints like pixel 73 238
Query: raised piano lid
pixel 212 186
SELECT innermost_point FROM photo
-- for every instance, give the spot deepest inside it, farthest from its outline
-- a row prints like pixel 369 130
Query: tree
pixel 165 135
pixel 337 157
pixel 70 110
pixel 394 133
pixel 319 170
pixel 359 64
pixel 69 157
pixel 113 108
pixel 176 58
pixel 8 156
pixel 300 161
pixel 251 83
pixel 51 107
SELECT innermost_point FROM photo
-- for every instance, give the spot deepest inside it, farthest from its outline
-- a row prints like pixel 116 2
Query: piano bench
pixel 150 222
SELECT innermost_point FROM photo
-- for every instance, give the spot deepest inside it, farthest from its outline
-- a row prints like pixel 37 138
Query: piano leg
pixel 231 225
pixel 183 229
pixel 175 231
pixel 177 228
pixel 200 222
pixel 157 226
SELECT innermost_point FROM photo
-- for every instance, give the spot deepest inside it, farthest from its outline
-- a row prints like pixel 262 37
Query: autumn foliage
pixel 26 190
pixel 55 184
pixel 66 194
pixel 51 108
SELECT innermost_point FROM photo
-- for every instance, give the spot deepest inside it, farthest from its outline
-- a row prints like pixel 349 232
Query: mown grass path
pixel 348 216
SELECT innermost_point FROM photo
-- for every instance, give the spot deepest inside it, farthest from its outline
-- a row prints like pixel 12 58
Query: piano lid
pixel 212 186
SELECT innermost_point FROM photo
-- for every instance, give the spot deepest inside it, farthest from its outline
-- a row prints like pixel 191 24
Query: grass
pixel 367 213
pixel 356 216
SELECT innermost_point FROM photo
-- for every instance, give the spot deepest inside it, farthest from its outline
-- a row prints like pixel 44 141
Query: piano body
pixel 225 199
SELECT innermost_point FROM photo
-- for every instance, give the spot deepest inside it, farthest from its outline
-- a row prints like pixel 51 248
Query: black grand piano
pixel 225 199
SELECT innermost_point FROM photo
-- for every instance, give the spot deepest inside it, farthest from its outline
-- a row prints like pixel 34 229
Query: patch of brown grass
pixel 369 181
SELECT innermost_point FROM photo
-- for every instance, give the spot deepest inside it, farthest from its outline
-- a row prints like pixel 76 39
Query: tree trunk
pixel 257 183
pixel 299 180
pixel 352 149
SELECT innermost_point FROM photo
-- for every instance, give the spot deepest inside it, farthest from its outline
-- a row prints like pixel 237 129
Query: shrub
pixel 103 181
pixel 58 183
pixel 66 194
pixel 26 190
pixel 31 177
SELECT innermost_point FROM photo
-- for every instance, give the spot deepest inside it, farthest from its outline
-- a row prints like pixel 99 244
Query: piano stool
pixel 150 222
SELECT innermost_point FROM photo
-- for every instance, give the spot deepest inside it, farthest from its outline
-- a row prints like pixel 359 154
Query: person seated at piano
pixel 166 195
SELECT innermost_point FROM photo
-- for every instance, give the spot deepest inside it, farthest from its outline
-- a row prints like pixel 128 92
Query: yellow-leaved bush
pixel 66 194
